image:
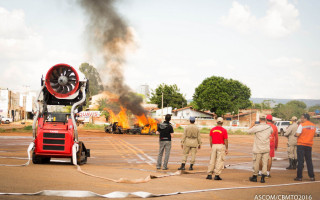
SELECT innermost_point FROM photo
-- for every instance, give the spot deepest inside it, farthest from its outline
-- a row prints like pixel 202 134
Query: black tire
pixel 46 160
pixel 81 154
pixel 36 159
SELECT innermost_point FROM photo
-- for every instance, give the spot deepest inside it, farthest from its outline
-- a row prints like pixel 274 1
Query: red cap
pixel 269 117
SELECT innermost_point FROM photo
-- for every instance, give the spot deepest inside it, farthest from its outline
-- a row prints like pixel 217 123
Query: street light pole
pixel 162 107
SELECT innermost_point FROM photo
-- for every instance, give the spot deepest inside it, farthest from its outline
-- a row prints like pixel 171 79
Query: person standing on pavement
pixel 305 133
pixel 190 142
pixel 273 145
pixel 261 148
pixel 292 143
pixel 165 132
pixel 219 148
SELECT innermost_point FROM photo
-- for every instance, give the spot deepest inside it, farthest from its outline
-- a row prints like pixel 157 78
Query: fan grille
pixel 62 80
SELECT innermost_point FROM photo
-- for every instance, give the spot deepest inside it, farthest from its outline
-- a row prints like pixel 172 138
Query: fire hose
pixel 118 194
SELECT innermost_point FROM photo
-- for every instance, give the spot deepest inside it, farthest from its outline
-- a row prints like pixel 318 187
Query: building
pixel 144 89
pixel 18 104
pixel 187 112
pixel 10 104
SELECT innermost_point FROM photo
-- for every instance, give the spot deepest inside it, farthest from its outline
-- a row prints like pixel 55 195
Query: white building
pixel 144 89
pixel 187 112
pixel 17 104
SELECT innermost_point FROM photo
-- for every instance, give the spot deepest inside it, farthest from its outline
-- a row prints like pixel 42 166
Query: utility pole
pixel 162 107
pixel 238 117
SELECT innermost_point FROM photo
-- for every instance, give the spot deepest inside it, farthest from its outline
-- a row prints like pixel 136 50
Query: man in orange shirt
pixel 305 133
pixel 273 145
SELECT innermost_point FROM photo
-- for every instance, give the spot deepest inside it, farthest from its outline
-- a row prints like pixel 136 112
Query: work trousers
pixel 186 151
pixel 257 157
pixel 292 151
pixel 164 146
pixel 218 153
pixel 304 152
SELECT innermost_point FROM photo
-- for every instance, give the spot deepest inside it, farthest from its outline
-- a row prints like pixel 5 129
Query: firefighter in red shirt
pixel 219 149
pixel 273 145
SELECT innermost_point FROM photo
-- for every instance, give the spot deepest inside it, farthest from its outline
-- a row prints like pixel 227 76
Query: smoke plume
pixel 110 36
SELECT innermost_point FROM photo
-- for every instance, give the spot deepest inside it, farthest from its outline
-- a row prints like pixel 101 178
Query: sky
pixel 272 46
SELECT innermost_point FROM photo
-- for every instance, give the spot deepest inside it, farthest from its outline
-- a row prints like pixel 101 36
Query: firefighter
pixel 190 142
pixel 219 148
pixel 273 145
pixel 261 148
pixel 305 133
pixel 292 143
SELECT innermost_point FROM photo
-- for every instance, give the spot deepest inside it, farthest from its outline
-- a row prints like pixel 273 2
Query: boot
pixel 209 177
pixel 290 164
pixel 191 167
pixel 182 167
pixel 253 178
pixel 217 177
pixel 294 164
pixel 262 178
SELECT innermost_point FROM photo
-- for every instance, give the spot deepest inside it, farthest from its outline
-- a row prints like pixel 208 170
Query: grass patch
pixel 90 126
pixel 237 132
pixel 27 128
pixel 205 130
pixel 2 130
pixel 180 129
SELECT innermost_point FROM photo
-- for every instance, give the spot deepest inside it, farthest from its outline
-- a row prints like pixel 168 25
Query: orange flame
pixel 121 117
pixel 148 124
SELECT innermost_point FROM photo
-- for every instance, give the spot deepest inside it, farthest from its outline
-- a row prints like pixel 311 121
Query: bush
pixel 93 126
pixel 27 128
pixel 2 130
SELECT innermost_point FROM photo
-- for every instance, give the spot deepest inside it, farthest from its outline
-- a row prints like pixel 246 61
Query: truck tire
pixel 81 154
pixel 36 159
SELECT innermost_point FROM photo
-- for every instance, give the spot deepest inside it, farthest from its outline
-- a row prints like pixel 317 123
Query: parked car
pixel 282 126
pixel 6 120
pixel 318 131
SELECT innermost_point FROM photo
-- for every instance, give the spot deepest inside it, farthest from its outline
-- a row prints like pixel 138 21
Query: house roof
pixel 190 107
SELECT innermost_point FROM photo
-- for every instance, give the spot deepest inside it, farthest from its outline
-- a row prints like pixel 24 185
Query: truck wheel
pixel 36 159
pixel 46 160
pixel 81 154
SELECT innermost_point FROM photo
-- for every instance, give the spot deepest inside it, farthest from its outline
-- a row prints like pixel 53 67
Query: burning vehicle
pixel 120 123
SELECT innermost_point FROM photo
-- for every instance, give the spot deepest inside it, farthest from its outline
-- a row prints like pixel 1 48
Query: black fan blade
pixel 72 77
pixel 73 82
pixel 65 90
pixel 59 89
pixel 69 87
pixel 60 71
pixel 54 85
pixel 68 72
pixel 53 80
pixel 55 74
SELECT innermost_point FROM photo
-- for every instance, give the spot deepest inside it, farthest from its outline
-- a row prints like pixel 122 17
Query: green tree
pixel 91 73
pixel 290 109
pixel 221 95
pixel 314 108
pixel 171 96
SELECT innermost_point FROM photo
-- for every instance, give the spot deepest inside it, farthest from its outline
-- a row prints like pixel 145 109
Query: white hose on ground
pixel 30 148
pixel 141 194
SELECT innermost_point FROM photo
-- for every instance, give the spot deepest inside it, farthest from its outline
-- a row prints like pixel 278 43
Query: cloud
pixel 23 55
pixel 281 19
pixel 16 38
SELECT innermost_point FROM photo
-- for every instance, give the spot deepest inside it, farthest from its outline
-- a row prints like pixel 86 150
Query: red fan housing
pixel 62 81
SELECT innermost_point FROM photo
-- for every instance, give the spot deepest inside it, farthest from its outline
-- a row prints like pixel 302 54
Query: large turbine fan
pixel 62 80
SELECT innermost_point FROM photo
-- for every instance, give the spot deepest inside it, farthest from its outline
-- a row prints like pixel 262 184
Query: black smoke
pixel 110 36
